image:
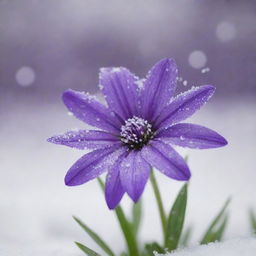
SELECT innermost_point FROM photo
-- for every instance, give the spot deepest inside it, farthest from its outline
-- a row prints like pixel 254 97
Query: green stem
pixel 159 202
pixel 125 227
pixel 128 234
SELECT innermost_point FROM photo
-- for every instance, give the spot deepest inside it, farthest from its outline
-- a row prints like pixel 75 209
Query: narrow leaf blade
pixel 184 240
pixel 253 221
pixel 220 232
pixel 176 220
pixel 87 250
pixel 95 237
pixel 153 248
pixel 210 233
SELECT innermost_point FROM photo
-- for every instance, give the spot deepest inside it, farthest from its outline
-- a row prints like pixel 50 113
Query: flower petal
pixel 164 158
pixel 120 90
pixel 86 108
pixel 92 165
pixel 134 174
pixel 184 105
pixel 82 139
pixel 192 136
pixel 114 190
pixel 159 87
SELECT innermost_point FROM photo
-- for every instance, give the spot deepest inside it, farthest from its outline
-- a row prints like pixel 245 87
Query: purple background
pixel 66 42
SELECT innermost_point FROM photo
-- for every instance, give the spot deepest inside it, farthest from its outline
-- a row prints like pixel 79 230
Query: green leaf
pixel 185 237
pixel 217 227
pixel 176 220
pixel 136 216
pixel 152 248
pixel 218 234
pixel 253 221
pixel 87 250
pixel 95 237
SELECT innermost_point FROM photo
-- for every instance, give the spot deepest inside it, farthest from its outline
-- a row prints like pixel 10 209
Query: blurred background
pixel 49 46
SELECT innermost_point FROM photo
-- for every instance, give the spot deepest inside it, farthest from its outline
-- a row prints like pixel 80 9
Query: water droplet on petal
pixel 182 137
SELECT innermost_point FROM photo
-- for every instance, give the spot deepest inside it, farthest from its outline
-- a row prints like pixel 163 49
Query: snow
pixel 234 247
pixel 245 246
pixel 36 206
pixel 39 252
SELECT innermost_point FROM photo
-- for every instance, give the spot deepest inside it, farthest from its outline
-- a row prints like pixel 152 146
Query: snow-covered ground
pixel 234 247
pixel 36 207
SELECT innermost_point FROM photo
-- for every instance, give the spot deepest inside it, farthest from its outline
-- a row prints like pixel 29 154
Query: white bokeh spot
pixel 225 31
pixel 197 59
pixel 25 76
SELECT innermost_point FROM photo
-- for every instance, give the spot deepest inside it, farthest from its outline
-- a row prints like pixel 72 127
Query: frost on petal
pixel 114 190
pixel 86 108
pixel 184 105
pixel 82 139
pixel 134 173
pixel 140 83
pixel 92 165
pixel 164 158
pixel 192 136
pixel 120 91
pixel 159 87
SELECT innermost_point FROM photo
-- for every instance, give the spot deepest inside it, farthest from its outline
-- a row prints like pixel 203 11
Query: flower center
pixel 136 132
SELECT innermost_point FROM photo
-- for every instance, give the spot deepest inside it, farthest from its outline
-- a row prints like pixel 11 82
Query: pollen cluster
pixel 136 132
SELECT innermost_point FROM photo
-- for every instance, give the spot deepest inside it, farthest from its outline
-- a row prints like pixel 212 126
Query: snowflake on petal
pixel 136 131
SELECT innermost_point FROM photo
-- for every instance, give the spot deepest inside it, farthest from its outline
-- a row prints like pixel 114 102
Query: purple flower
pixel 136 130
